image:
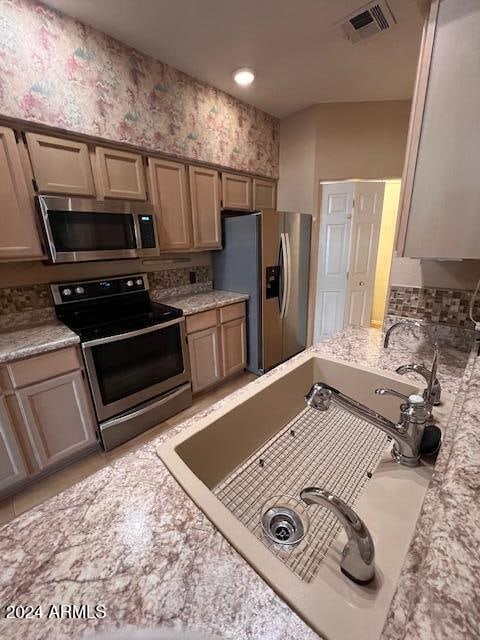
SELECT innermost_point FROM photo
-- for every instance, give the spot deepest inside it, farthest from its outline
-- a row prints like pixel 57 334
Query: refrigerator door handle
pixel 283 259
pixel 288 274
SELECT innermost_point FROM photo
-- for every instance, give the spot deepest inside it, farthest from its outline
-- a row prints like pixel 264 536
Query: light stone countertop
pixel 33 340
pixel 128 537
pixel 197 302
pixel 49 335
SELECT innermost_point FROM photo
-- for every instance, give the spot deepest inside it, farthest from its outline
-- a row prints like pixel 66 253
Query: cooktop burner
pixel 102 308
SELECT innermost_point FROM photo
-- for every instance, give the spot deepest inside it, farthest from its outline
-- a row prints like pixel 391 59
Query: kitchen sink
pixel 245 464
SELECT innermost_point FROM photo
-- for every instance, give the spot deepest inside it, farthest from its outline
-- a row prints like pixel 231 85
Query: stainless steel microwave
pixel 79 229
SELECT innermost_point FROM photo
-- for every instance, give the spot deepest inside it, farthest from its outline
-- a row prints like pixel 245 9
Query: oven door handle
pixel 113 422
pixel 131 334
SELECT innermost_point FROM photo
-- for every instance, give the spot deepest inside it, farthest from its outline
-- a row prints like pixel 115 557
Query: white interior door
pixel 334 235
pixel 365 231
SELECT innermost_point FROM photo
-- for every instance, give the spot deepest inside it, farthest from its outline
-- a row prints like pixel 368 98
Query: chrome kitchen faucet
pixel 407 433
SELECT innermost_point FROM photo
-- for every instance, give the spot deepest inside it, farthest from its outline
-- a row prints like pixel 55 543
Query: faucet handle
pixel 391 392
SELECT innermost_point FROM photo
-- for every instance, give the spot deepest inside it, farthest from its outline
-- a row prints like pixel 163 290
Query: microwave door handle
pixel 136 230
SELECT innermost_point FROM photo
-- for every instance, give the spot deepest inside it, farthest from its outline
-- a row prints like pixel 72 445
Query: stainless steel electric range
pixel 135 353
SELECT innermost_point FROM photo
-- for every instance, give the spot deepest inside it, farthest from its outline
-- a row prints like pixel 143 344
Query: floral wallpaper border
pixel 56 71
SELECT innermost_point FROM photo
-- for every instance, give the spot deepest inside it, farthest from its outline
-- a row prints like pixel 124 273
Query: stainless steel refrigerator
pixel 267 255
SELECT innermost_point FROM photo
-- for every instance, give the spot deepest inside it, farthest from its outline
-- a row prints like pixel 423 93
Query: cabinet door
pixel 18 237
pixel 233 346
pixel 58 418
pixel 12 465
pixel 236 191
pixel 205 195
pixel 168 183
pixel 60 166
pixel 440 199
pixel 120 174
pixel 264 194
pixel 204 352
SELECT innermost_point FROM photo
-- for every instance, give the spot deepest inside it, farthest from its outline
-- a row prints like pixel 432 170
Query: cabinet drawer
pixel 44 366
pixel 232 311
pixel 202 320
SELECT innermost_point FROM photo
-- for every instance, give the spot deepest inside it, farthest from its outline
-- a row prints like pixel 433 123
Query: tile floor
pixel 64 478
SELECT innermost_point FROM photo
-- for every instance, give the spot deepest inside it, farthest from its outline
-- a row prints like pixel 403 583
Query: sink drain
pixel 283 525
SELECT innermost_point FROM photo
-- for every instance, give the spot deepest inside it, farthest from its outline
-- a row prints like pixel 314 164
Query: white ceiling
pixel 299 55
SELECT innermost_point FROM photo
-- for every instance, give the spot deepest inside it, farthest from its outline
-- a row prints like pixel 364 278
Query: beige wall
pixel 297 184
pixel 20 273
pixel 340 141
pixel 361 139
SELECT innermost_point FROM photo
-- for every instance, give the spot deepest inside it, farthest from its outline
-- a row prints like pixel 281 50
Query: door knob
pixel 361 283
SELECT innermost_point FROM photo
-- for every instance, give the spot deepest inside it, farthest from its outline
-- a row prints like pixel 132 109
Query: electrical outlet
pixel 193 277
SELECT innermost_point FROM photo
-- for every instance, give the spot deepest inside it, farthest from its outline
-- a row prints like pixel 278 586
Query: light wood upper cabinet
pixel 120 174
pixel 60 165
pixel 205 197
pixel 169 190
pixel 58 419
pixel 440 200
pixel 264 194
pixel 236 191
pixel 18 237
pixel 205 360
pixel 12 464
pixel 233 346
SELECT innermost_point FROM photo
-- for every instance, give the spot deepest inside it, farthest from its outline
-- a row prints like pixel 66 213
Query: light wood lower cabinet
pixel 233 346
pixel 46 416
pixel 57 418
pixel 12 464
pixel 205 363
pixel 18 237
pixel 216 344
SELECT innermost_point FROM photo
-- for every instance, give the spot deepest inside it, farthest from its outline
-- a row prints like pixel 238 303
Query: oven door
pixel 129 369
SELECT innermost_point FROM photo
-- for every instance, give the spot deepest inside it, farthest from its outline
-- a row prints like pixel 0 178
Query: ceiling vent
pixel 367 22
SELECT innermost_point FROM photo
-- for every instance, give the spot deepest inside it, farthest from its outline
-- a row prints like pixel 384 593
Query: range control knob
pixel 66 292
pixel 79 290
pixel 129 283
pixel 139 282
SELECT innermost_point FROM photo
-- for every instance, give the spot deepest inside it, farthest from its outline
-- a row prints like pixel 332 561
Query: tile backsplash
pixel 172 278
pixel 32 303
pixel 24 298
pixel 442 306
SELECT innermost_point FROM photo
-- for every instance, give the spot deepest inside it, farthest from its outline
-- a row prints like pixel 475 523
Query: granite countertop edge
pixel 28 341
pixel 202 301
pixel 31 340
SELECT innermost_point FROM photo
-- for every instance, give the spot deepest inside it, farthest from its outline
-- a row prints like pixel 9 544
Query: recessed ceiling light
pixel 244 76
